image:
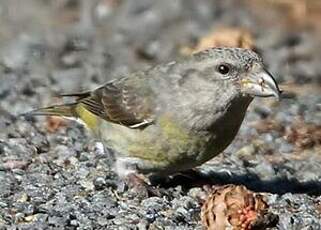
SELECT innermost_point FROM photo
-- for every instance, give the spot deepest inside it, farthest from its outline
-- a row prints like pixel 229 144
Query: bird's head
pixel 242 69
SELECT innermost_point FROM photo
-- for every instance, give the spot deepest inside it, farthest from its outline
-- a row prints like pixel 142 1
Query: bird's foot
pixel 139 185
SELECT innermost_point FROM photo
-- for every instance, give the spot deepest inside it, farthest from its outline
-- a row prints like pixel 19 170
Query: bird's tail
pixel 70 110
pixel 64 110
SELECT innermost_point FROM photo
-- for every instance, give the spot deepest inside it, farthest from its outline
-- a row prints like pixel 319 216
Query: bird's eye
pixel 223 69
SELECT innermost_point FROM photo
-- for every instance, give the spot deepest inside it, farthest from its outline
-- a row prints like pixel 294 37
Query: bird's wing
pixel 127 101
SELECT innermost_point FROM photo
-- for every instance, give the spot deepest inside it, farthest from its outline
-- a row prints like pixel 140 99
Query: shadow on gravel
pixel 279 186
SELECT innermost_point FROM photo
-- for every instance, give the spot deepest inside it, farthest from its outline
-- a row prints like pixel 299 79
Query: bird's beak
pixel 261 84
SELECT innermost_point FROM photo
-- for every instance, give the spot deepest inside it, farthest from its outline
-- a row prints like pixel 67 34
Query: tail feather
pixel 79 95
pixel 64 110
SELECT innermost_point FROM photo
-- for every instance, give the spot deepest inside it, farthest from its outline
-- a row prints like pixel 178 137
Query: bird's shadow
pixel 279 186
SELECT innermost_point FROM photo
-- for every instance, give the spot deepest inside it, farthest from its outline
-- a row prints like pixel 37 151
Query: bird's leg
pixel 125 166
pixel 127 170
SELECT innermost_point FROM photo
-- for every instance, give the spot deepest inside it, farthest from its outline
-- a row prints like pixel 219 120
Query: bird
pixel 174 116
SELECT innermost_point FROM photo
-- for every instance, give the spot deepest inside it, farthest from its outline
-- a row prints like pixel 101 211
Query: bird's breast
pixel 170 146
pixel 227 124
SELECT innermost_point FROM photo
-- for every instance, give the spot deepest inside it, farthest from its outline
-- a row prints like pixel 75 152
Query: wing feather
pixel 128 102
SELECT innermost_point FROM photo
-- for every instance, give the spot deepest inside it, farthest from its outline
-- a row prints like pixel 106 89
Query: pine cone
pixel 235 207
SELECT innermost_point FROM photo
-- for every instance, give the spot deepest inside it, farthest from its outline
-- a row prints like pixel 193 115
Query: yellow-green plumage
pixel 90 119
pixel 163 146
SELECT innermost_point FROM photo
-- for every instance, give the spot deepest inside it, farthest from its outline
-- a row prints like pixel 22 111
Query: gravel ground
pixel 62 179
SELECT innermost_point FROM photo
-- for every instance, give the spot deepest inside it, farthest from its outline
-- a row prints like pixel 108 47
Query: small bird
pixel 174 116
